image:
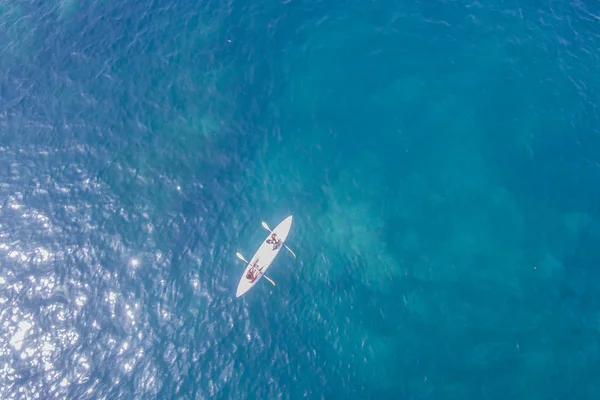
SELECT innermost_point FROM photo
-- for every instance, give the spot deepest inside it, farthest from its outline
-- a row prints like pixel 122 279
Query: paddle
pixel 264 224
pixel 241 257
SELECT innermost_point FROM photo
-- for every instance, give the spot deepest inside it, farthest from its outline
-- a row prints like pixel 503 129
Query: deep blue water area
pixel 441 161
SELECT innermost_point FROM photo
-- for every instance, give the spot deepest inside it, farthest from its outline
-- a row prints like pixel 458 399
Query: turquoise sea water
pixel 441 160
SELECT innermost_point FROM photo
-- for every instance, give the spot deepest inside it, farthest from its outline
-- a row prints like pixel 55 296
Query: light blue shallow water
pixel 440 160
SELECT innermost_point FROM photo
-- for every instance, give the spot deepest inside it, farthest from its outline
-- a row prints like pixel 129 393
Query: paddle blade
pixel 269 279
pixel 290 250
pixel 264 224
pixel 241 257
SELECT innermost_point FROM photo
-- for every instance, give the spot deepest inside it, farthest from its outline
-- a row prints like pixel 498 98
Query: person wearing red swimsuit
pixel 253 272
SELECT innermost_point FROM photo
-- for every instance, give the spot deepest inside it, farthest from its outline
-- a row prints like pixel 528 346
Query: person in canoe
pixel 253 272
pixel 274 240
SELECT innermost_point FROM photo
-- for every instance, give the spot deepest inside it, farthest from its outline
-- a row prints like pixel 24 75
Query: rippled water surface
pixel 441 160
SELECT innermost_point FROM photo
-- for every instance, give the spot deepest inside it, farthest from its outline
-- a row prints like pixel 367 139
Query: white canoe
pixel 265 255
